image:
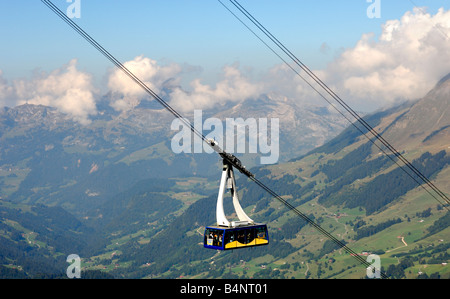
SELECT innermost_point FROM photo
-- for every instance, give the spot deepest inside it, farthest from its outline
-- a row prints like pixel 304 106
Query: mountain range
pixel 49 158
pixel 116 193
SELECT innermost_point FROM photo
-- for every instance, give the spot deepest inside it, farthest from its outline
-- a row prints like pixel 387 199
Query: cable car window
pixel 261 232
pixel 229 237
pixel 213 237
pixel 250 235
pixel 240 236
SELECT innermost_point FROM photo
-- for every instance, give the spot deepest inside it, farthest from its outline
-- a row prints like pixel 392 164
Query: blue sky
pixel 197 32
pixel 202 38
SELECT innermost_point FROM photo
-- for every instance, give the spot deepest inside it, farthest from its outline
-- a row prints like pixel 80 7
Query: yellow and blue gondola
pixel 226 238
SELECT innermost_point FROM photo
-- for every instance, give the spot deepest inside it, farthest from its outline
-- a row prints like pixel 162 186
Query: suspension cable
pixel 341 102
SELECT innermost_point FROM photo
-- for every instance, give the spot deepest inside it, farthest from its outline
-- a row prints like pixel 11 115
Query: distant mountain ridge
pixel 49 158
pixel 427 121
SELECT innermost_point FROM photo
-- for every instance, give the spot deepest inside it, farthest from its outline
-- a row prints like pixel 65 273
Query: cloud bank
pixel 409 57
pixel 156 77
pixel 66 89
pixel 233 87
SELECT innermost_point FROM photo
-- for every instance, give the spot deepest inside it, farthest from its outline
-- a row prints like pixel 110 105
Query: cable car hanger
pixel 235 234
pixel 228 182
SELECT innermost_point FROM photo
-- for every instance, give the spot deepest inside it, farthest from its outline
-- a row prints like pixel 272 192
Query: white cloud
pixel 66 88
pixel 148 71
pixel 410 56
pixel 282 80
pixel 6 92
pixel 234 87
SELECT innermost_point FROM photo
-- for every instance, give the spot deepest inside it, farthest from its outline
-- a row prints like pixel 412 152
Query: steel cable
pixel 328 90
pixel 118 64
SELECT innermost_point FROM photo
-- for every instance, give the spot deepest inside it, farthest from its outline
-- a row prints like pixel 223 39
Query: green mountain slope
pixel 35 241
pixel 351 190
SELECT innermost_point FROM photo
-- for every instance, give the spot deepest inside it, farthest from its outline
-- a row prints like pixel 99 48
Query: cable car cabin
pixel 226 238
pixel 233 234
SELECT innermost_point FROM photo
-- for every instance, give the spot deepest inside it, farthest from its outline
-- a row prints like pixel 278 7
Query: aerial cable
pixel 118 64
pixel 331 104
pixel 341 244
pixel 335 96
pixel 299 63
pixel 226 156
